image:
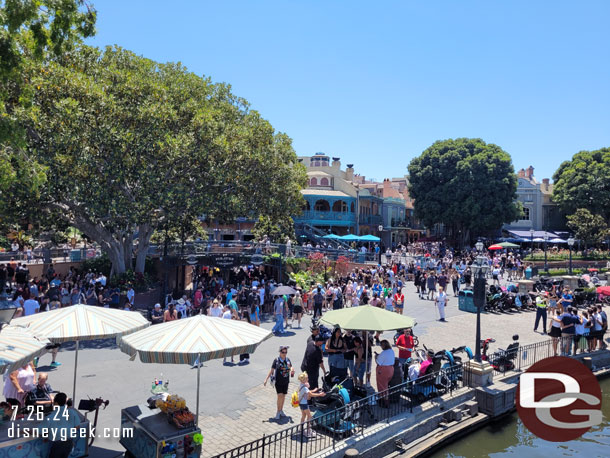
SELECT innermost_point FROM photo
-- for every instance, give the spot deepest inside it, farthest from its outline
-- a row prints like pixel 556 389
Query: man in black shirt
pixel 313 361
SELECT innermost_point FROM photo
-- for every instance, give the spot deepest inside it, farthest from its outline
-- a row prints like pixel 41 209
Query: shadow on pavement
pixel 90 344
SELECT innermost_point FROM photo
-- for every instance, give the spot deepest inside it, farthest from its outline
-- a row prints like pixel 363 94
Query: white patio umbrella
pixel 198 338
pixel 82 322
pixel 18 346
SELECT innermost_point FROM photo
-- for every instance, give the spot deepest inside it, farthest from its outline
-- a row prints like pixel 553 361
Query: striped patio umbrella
pixel 18 346
pixel 82 322
pixel 190 340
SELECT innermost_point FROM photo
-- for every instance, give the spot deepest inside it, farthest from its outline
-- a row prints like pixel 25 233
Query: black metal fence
pixel 517 357
pixel 330 425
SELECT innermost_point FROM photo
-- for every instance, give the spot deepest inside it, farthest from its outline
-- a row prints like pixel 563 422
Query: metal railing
pixel 351 419
pixel 250 248
pixel 46 255
pixel 524 356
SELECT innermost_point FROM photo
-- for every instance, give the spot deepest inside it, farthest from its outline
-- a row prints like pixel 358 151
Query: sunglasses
pixel 283 352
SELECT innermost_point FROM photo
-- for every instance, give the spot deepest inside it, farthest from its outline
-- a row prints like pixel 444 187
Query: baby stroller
pixel 333 412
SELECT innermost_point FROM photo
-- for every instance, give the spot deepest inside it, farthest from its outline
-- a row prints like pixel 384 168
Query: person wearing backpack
pixel 318 300
pixel 304 395
pixel 280 373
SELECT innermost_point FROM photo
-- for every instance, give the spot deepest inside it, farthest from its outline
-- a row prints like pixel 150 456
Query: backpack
pixel 294 399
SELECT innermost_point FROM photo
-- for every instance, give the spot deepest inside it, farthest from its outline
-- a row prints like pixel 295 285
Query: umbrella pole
pixel 75 367
pixel 198 379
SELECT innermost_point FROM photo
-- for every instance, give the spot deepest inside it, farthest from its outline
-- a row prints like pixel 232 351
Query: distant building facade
pixel 341 202
pixel 539 211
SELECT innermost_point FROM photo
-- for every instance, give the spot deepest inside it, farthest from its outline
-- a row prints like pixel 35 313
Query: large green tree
pixel 132 146
pixel 584 182
pixel 466 184
pixel 30 31
pixel 591 229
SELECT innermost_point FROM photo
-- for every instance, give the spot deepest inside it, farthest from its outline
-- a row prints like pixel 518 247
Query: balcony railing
pixel 312 215
pixel 370 219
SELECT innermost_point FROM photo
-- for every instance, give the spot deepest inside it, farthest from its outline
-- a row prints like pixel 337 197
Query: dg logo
pixel 559 399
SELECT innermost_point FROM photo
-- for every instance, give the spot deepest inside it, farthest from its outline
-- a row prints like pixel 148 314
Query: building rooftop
pixel 323 192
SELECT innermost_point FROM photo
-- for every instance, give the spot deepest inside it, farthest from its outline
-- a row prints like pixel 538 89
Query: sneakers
pixel 282 414
pixel 55 364
pixel 277 416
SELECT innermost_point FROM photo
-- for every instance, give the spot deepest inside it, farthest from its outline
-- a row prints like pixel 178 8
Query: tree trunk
pixel 144 234
pixel 128 251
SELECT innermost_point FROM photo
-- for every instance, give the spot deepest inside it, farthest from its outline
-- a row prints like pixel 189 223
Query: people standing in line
pixel 385 370
pixel 603 317
pixel 335 347
pixel 555 334
pixel 280 373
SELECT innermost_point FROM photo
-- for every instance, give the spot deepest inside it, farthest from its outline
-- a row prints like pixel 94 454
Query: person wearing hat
pixel 315 332
pixel 156 315
pixel 280 373
pixel 541 303
pixel 181 308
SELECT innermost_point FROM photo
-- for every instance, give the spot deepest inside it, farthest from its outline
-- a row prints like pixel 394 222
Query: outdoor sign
pixel 257 259
pixel 224 260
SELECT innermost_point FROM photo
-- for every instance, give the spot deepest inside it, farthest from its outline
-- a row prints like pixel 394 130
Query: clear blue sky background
pixel 377 82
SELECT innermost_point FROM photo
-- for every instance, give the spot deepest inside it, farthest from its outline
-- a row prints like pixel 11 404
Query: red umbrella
pixel 605 290
pixel 494 247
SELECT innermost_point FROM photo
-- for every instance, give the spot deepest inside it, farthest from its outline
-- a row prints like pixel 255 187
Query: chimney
pixel 530 172
pixel 336 163
pixel 349 172
pixel 545 183
pixel 521 173
pixel 386 187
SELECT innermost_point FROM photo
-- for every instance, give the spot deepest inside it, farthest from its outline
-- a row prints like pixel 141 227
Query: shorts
pixel 281 388
pixel 349 364
pixel 389 308
pixel 555 332
pixel 297 309
pixel 304 406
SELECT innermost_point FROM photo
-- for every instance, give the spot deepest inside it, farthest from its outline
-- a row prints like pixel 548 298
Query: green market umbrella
pixel 367 318
pixel 508 245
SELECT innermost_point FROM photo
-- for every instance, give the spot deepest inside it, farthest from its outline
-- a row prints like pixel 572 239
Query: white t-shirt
pixel 182 309
pixel 30 307
pixel 216 311
pixel 227 315
pixel 442 298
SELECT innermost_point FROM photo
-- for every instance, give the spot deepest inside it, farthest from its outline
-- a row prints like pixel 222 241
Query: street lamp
pixel 380 227
pixel 570 245
pixel 546 238
pixel 479 269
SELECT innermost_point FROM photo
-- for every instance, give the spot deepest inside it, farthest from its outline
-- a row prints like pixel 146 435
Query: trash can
pixel 466 301
pixel 528 273
pixel 535 271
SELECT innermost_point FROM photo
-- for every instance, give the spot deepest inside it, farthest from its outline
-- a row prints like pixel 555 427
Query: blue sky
pixel 377 82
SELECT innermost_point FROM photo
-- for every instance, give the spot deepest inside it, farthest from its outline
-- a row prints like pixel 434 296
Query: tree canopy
pixel 30 32
pixel 591 229
pixel 584 182
pixel 466 184
pixel 131 145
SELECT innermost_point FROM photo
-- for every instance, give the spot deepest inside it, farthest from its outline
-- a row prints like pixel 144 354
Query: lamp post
pixel 479 268
pixel 546 238
pixel 570 245
pixel 380 227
